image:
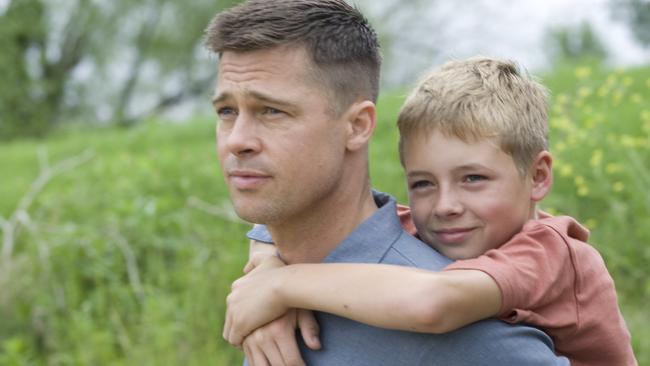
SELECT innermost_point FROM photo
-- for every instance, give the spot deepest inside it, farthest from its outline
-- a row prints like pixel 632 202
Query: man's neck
pixel 312 235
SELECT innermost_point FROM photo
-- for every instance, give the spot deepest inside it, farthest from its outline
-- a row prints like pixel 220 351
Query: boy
pixel 474 147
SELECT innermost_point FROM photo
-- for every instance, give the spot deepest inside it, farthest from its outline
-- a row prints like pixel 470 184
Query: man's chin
pixel 255 214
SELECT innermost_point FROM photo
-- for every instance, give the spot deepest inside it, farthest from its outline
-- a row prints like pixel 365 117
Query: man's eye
pixel 474 178
pixel 225 112
pixel 271 111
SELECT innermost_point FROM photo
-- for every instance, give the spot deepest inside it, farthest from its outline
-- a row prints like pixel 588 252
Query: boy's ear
pixel 542 175
pixel 362 120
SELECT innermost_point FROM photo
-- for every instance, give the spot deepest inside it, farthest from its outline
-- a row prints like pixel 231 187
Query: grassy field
pixel 119 245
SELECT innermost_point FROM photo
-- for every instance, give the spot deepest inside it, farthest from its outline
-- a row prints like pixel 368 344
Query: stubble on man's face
pixel 281 151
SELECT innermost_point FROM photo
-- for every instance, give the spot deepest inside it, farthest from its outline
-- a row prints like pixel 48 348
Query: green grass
pixel 119 266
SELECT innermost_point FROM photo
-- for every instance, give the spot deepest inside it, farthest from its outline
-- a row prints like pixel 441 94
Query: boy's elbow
pixel 432 317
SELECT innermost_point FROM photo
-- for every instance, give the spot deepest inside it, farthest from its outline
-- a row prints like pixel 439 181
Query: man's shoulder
pixel 409 251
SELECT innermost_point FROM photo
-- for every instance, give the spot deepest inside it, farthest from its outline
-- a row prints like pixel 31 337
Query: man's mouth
pixel 247 179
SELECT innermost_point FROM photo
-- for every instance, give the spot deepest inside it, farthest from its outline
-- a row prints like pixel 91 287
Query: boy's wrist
pixel 281 285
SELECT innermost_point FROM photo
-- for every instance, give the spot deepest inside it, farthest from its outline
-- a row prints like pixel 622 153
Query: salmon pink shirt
pixel 551 278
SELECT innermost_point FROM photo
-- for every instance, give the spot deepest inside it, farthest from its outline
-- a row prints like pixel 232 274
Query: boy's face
pixel 466 198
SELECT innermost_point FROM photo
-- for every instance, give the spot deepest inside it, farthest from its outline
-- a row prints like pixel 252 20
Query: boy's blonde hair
pixel 480 98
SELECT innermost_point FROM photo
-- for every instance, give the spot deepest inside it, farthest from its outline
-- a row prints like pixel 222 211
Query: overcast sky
pixel 525 23
pixel 501 28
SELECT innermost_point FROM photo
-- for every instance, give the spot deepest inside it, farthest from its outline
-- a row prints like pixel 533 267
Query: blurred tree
pixel 575 43
pixel 88 59
pixel 407 30
pixel 636 13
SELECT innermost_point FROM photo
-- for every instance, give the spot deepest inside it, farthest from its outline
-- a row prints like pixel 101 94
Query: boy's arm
pixel 380 295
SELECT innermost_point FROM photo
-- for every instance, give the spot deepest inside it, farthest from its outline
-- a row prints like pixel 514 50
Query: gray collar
pixel 370 241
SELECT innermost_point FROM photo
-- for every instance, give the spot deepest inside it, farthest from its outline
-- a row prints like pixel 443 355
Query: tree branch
pixel 20 216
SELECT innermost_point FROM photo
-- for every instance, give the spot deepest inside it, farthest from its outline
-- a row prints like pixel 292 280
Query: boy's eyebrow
pixel 471 166
pixel 460 168
pixel 417 173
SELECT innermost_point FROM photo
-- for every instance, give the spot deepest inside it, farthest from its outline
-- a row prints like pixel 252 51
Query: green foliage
pixel 87 60
pixel 636 13
pixel 127 259
pixel 571 44
pixel 600 123
pixel 17 38
pixel 117 265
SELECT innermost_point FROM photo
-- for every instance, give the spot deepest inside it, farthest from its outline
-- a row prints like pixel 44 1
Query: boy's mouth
pixel 453 235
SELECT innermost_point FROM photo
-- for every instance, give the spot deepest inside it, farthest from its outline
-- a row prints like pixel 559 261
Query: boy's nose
pixel 448 204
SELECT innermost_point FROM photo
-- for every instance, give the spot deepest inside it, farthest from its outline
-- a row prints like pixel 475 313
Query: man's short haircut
pixel 476 99
pixel 343 47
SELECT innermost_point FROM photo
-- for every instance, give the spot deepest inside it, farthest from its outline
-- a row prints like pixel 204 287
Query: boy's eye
pixel 474 178
pixel 419 184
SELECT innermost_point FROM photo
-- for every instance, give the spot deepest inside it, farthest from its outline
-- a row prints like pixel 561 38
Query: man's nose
pixel 243 137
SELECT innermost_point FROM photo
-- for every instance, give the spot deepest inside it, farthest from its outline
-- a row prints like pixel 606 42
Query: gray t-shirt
pixel 381 239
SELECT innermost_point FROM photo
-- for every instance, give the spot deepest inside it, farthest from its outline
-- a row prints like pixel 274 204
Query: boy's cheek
pixel 420 212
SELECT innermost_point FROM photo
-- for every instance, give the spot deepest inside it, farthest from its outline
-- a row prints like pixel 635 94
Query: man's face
pixel 466 198
pixel 281 151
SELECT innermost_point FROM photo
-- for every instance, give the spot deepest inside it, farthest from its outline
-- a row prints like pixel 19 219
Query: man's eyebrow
pixel 269 99
pixel 260 97
pixel 220 98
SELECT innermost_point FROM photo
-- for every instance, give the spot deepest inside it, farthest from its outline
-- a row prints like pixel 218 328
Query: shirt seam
pixel 392 247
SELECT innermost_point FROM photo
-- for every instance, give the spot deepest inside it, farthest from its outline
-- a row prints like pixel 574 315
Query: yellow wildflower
pixel 591 224
pixel 583 191
pixel 584 92
pixel 596 158
pixel 628 141
pixel 627 81
pixel 603 91
pixel 618 186
pixel 613 168
pixel 583 72
pixel 562 98
pixel 645 115
pixel 565 170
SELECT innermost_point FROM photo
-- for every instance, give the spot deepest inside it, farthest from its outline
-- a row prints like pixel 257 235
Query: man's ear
pixel 542 175
pixel 362 119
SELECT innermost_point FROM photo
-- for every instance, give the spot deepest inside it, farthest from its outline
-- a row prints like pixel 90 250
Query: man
pixel 296 93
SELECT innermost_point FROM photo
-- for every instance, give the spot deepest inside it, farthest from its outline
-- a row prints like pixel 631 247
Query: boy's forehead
pixel 436 149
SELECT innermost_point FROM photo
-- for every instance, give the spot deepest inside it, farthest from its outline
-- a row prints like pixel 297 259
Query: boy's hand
pixel 253 300
pixel 275 343
pixel 264 260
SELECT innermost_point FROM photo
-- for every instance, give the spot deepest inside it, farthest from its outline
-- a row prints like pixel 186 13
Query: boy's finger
pixel 309 329
pixel 226 328
pixel 249 266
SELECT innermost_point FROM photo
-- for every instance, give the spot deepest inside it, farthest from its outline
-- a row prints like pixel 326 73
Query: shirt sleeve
pixel 535 273
pixel 260 233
